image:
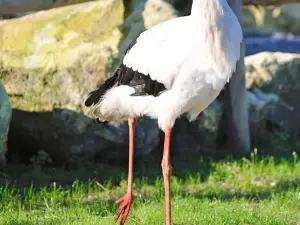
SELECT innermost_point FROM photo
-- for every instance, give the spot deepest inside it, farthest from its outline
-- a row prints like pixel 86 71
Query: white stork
pixel 174 68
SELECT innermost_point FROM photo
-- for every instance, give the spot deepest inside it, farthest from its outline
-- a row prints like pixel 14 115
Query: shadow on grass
pixel 145 168
pixel 253 195
pixel 26 222
pixel 18 223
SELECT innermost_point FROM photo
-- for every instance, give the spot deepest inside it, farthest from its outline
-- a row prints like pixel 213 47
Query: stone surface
pixel 12 15
pixel 157 11
pixel 49 61
pixel 273 72
pixel 198 136
pixel 56 61
pixel 184 7
pixel 5 117
pixel 273 79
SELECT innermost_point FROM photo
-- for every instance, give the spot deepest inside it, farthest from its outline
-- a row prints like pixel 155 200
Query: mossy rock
pixel 51 59
pixel 274 80
pixel 273 72
pixel 5 116
pixel 49 62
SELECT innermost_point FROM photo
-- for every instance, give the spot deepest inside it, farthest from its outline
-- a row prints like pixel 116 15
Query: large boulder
pixel 273 79
pixel 5 116
pixel 51 60
pixel 183 6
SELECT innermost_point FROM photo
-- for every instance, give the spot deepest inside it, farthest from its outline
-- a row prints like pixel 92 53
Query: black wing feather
pixel 143 84
pixel 96 95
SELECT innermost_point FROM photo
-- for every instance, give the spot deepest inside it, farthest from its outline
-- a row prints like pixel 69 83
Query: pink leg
pixel 167 170
pixel 126 201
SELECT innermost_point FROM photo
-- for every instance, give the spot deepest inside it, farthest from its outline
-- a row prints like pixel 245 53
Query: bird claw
pixel 124 208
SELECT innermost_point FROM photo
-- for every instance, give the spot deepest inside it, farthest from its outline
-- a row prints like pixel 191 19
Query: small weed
pixel 42 158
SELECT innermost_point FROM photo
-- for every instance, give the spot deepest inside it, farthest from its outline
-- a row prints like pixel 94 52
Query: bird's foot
pixel 124 208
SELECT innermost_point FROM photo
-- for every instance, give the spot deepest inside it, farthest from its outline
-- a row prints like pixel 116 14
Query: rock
pixel 12 15
pixel 184 7
pixel 198 136
pixel 273 79
pixel 59 59
pixel 5 116
pixel 48 70
pixel 273 72
pixel 269 19
pixel 157 11
pixel 259 105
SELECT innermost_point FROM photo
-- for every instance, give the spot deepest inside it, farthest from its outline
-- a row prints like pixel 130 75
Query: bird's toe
pixel 124 208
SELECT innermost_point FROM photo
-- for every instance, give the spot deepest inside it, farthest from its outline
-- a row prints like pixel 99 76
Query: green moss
pixel 60 29
pixel 37 50
pixel 18 34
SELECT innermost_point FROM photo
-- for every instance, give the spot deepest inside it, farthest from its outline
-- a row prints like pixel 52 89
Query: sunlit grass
pixel 247 191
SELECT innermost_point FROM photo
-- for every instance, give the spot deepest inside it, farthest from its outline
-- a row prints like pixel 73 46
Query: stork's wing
pixel 160 51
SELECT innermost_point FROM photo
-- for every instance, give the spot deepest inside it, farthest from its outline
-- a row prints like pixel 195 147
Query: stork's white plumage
pixel 179 66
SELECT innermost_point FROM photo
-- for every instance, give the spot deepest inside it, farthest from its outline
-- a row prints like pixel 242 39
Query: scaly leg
pixel 167 170
pixel 126 201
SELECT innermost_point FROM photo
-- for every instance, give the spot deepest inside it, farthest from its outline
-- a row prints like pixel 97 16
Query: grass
pixel 247 191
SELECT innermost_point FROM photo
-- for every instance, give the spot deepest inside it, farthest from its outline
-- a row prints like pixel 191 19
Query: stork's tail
pixel 95 96
pixel 118 104
pixel 115 104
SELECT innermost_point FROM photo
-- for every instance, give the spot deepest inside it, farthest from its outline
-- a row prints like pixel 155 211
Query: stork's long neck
pixel 208 10
pixel 213 20
pixel 206 16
